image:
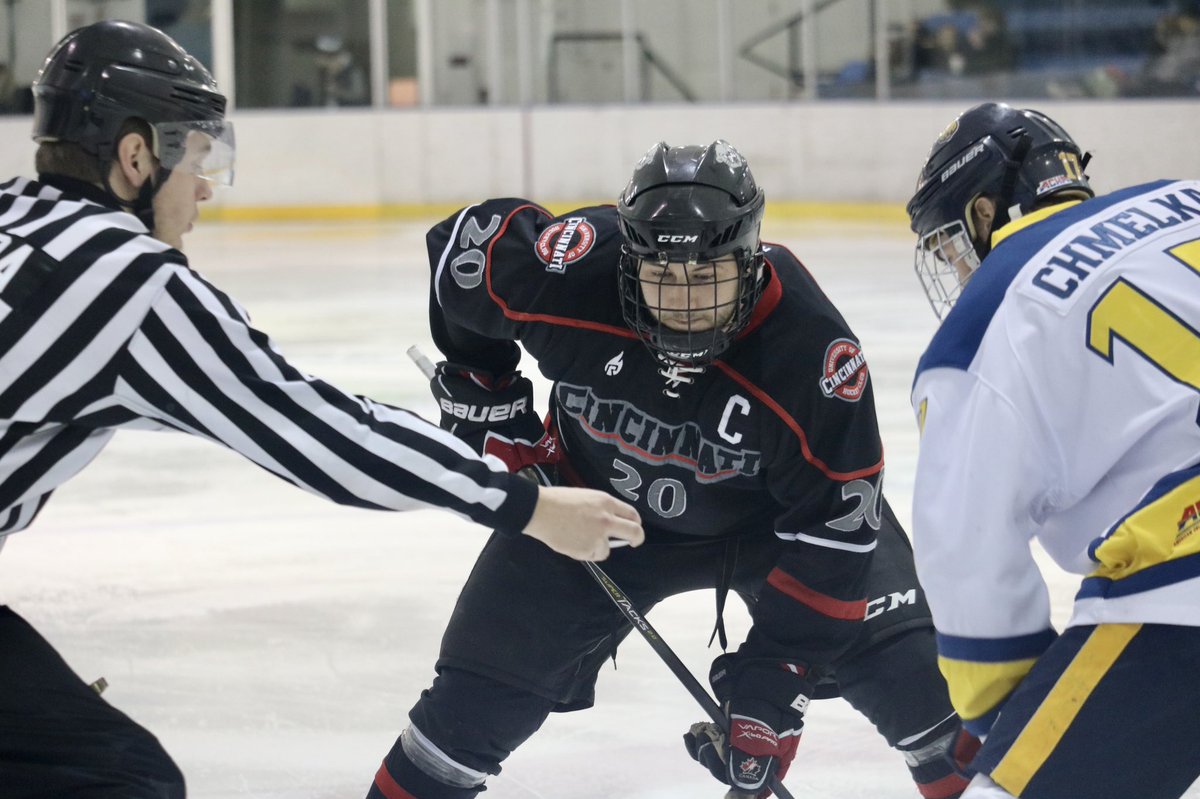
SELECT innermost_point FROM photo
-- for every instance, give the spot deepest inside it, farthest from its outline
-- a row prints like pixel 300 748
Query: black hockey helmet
pixel 1019 158
pixel 99 76
pixel 691 205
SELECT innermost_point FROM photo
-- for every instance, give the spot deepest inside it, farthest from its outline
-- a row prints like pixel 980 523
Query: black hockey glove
pixel 494 414
pixel 764 700
pixel 475 401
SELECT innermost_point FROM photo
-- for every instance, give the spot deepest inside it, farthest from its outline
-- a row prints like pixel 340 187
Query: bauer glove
pixel 475 401
pixel 494 415
pixel 765 700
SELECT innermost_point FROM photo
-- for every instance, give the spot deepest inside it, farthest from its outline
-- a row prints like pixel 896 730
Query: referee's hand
pixel 578 522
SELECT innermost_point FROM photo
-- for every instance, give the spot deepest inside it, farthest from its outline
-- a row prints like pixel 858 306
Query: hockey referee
pixel 104 325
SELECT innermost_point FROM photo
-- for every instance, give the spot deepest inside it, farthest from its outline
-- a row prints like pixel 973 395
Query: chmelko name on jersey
pixel 1075 260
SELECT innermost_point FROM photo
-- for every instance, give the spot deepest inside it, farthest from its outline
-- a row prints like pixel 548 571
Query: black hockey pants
pixel 531 630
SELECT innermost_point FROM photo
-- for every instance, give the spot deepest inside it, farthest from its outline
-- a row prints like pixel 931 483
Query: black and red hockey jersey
pixel 778 436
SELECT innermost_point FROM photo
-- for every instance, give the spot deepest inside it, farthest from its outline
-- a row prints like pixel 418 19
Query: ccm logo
pixel 668 239
pixel 484 413
pixel 890 602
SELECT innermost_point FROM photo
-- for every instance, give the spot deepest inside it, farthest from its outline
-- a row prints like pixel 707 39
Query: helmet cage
pixel 945 260
pixel 701 339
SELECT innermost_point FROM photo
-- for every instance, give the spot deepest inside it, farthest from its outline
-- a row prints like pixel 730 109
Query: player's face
pixel 176 203
pixel 952 247
pixel 690 297
pixel 945 261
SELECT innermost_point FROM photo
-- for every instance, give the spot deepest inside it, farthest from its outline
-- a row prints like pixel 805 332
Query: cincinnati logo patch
pixel 845 369
pixel 565 242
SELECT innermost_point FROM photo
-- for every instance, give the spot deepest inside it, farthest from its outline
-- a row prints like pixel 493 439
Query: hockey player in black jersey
pixel 705 378
pixel 104 325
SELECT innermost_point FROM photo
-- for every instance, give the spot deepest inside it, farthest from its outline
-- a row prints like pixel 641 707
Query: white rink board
pixel 825 152
pixel 275 642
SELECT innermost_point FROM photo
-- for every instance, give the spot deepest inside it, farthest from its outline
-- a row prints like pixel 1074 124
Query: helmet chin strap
pixel 142 205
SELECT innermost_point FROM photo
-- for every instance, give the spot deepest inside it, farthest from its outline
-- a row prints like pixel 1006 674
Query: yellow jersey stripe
pixel 1052 719
pixel 1154 534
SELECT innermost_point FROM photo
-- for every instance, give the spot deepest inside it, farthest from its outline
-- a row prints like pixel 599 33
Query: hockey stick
pixel 672 661
pixel 641 624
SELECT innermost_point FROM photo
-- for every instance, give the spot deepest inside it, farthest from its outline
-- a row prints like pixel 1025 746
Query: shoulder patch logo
pixel 845 369
pixel 614 365
pixel 1188 522
pixel 565 242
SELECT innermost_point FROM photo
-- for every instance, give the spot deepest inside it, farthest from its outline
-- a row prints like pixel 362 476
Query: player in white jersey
pixel 1058 401
pixel 104 325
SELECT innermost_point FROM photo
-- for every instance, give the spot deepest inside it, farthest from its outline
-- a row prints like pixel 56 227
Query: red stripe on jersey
pixel 521 316
pixel 771 296
pixel 388 786
pixel 950 785
pixel 821 603
pixel 795 427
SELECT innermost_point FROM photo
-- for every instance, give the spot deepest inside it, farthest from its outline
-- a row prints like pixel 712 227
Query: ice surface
pixel 274 642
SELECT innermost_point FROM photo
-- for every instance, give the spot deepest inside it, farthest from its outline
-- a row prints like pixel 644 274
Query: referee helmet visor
pixel 202 148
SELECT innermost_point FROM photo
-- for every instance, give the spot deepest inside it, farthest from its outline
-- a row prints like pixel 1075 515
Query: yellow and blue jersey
pixel 1059 400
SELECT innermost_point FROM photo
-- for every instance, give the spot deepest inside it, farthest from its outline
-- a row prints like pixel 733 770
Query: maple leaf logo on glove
pixel 749 770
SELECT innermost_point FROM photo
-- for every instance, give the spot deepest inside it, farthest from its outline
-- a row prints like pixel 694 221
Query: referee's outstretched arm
pixel 196 364
pixel 103 324
pixel 103 327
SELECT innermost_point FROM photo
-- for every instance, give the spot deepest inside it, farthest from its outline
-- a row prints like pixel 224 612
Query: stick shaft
pixel 668 656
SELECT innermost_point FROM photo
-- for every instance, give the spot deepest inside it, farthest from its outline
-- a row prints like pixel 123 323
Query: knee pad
pixel 423 754
pixel 477 721
pixel 928 756
pixel 417 769
pixel 929 745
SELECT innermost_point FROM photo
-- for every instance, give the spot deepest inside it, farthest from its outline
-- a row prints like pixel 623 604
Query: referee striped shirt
pixel 103 327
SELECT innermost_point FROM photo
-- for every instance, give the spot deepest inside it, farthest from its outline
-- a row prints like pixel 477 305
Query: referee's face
pixel 176 203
